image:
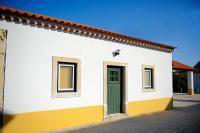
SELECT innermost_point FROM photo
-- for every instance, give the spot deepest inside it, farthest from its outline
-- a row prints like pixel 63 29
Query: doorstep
pixel 117 116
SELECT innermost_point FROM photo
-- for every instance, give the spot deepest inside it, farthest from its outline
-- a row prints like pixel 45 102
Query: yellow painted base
pixel 190 91
pixel 149 106
pixel 66 118
pixel 51 120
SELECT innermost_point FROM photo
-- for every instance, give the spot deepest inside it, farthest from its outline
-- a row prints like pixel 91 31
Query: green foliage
pixel 180 82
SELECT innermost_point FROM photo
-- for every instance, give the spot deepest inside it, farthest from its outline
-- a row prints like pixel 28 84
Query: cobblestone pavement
pixel 184 118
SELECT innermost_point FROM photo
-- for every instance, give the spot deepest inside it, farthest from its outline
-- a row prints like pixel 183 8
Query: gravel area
pixel 184 118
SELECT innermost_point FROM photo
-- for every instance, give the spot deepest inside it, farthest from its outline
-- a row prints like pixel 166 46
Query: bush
pixel 180 82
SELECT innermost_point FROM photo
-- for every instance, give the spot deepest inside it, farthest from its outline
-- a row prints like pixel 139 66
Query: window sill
pixel 66 95
pixel 149 90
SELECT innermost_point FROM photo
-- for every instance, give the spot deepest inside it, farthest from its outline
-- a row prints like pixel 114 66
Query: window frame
pixel 150 80
pixel 114 76
pixel 151 68
pixel 60 64
pixel 68 92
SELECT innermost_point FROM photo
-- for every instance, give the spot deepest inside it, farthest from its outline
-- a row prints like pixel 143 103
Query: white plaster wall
pixel 28 76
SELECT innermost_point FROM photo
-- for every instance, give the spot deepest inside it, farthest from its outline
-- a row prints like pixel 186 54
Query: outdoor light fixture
pixel 116 52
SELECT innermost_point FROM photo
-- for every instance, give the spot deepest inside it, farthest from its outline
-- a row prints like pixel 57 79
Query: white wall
pixel 28 79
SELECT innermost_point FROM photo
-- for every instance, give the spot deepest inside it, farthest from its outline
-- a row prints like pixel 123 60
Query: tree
pixel 180 82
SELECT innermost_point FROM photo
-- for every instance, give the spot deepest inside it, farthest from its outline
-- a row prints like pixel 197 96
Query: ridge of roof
pixel 20 16
pixel 180 66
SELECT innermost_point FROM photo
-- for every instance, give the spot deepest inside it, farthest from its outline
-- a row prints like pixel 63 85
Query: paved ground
pixel 184 118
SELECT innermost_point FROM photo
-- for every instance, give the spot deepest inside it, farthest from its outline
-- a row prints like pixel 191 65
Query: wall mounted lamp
pixel 116 52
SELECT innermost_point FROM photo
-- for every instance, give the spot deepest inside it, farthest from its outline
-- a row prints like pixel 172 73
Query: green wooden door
pixel 114 90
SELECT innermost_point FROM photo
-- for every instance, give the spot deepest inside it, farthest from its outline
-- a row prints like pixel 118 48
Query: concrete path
pixel 184 118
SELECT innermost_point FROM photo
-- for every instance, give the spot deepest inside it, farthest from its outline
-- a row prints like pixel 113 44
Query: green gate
pixel 114 90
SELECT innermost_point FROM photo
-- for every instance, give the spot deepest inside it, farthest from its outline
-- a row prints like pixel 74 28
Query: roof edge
pixel 20 16
pixel 180 66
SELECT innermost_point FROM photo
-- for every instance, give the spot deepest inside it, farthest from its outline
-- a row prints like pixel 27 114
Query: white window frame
pixel 73 72
pixel 149 70
pixel 153 81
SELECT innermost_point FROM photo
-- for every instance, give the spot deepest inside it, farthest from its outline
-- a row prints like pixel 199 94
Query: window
pixel 66 77
pixel 148 78
pixel 114 76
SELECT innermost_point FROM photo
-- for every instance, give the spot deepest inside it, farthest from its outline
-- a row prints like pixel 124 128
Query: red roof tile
pixel 180 66
pixel 51 22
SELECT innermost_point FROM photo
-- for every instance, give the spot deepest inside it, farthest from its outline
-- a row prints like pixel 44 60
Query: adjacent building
pixel 197 78
pixel 183 79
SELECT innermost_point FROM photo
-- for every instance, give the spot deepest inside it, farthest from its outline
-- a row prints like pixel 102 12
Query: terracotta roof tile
pixel 180 66
pixel 105 34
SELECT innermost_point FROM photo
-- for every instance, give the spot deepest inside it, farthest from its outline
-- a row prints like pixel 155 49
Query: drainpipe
pixel 190 83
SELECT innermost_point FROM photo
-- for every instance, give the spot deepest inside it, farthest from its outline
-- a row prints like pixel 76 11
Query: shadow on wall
pixel 5 119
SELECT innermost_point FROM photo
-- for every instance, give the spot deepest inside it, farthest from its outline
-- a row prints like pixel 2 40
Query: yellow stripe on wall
pixel 51 120
pixel 149 106
pixel 190 91
pixel 60 119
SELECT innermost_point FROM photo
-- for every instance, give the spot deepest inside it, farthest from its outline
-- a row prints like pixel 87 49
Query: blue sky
pixel 173 22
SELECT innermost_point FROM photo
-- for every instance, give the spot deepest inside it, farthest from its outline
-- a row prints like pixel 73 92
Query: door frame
pixel 3 46
pixel 124 67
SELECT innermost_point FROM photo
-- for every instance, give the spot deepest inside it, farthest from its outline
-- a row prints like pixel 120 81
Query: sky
pixel 172 22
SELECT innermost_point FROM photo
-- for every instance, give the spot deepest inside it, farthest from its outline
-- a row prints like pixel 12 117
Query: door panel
pixel 114 90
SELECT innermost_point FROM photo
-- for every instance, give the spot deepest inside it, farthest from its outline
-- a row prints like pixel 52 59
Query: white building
pixel 61 74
